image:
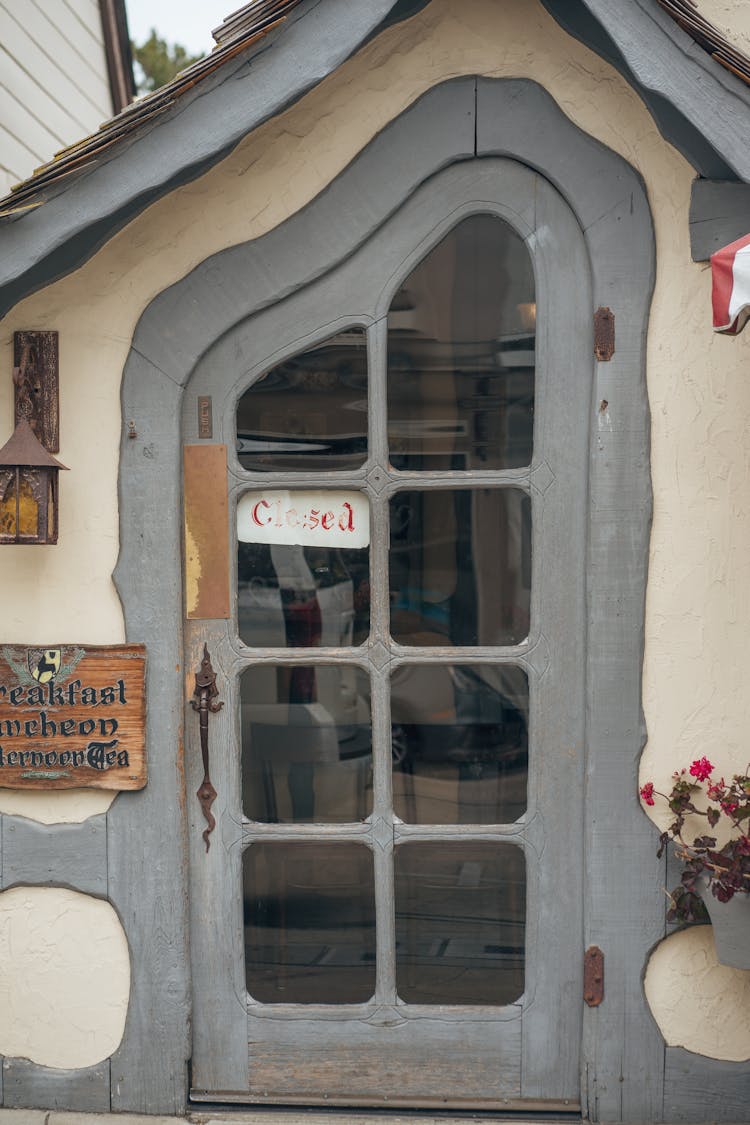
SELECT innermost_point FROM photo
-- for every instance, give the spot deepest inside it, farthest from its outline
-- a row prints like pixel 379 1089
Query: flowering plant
pixel 726 868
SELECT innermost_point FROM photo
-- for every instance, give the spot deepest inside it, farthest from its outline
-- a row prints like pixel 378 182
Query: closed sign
pixel 310 518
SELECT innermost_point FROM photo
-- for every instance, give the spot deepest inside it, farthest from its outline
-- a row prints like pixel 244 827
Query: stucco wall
pixel 698 611
pixel 64 977
pixel 732 18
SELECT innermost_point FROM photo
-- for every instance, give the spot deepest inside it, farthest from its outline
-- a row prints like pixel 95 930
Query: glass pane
pixel 460 566
pixel 460 923
pixel 309 923
pixel 461 336
pixel 459 740
pixel 289 596
pixel 306 744
pixel 309 412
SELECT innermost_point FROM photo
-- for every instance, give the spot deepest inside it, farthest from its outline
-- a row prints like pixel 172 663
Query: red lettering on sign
pixel 255 513
pixel 346 522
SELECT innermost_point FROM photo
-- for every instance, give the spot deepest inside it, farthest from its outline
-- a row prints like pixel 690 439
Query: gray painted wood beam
pixel 57 855
pixel 697 1088
pixel 719 214
pixel 28 1084
pixel 669 64
pixel 578 21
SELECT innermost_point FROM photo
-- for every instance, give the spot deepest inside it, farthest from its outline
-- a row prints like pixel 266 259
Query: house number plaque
pixel 72 716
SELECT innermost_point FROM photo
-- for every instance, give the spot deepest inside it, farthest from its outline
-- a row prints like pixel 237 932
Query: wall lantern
pixel 28 471
pixel 28 489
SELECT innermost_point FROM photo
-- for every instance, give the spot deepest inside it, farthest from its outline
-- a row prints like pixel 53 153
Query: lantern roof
pixel 25 449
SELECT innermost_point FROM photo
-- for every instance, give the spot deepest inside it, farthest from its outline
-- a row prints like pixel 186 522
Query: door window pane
pixel 289 596
pixel 460 922
pixel 459 742
pixel 309 412
pixel 460 566
pixel 309 923
pixel 306 743
pixel 461 334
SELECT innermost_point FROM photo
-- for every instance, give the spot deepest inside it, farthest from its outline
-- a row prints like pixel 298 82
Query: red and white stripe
pixel 730 270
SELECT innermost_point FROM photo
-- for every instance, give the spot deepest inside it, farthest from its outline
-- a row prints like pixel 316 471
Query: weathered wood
pixel 575 17
pixel 206 519
pixel 701 1089
pixel 622 1058
pixel 26 1084
pixel 72 716
pixel 60 855
pixel 385 1059
pixel 432 133
pixel 237 283
pixel 719 214
pixel 36 379
pixel 216 904
pixel 366 281
pixel 671 68
pixel 2 888
pixel 146 830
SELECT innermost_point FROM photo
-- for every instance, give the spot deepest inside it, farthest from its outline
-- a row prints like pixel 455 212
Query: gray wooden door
pixel 391 909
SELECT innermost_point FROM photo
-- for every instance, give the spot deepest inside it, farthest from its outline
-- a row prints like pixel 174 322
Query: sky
pixel 187 22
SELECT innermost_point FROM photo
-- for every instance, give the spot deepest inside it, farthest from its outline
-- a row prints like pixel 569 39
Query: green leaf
pixel 160 61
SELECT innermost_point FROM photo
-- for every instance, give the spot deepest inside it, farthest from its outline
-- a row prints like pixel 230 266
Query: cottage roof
pixel 62 214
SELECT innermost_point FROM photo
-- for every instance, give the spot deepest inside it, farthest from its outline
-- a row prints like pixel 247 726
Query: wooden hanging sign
pixel 72 717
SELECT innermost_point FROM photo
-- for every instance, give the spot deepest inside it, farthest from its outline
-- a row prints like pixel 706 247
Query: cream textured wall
pixel 732 18
pixel 699 1018
pixel 698 611
pixel 64 977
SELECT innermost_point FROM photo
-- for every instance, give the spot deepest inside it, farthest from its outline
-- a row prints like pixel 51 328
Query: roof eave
pixel 80 214
pixel 699 106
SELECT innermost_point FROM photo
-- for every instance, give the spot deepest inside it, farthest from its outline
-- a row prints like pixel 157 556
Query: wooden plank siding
pixel 53 79
pixel 87 14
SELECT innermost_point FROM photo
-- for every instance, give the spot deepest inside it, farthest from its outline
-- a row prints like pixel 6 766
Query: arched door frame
pixel 622 1050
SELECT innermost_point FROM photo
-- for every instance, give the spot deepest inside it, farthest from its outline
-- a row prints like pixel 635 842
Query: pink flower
pixel 647 793
pixel 701 768
pixel 729 807
pixel 716 790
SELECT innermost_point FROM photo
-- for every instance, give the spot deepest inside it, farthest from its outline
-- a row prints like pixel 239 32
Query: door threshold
pixel 269 1115
pixel 338 1115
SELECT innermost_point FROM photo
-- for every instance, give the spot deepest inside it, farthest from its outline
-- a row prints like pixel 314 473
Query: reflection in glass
pixel 302 597
pixel 309 411
pixel 461 334
pixel 459 741
pixel 460 922
pixel 306 743
pixel 460 566
pixel 309 923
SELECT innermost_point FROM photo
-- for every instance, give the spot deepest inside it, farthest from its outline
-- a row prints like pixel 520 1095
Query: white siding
pixel 54 87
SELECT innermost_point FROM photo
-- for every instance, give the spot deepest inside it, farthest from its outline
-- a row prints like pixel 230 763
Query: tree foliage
pixel 159 62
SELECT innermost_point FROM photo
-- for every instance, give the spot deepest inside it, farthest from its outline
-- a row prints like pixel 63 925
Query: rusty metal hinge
pixel 604 334
pixel 593 976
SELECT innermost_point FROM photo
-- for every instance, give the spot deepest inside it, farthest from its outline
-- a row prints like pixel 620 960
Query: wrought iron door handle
pixel 205 702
